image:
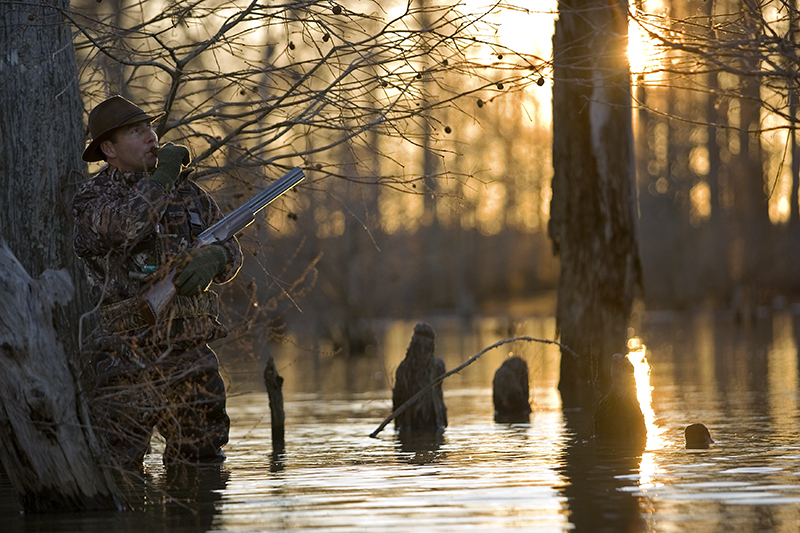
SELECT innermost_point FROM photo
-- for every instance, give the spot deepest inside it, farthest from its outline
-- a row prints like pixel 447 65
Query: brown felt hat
pixel 108 116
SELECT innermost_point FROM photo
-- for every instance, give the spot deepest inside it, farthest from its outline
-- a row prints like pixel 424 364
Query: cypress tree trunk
pixel 46 444
pixel 41 132
pixel 593 208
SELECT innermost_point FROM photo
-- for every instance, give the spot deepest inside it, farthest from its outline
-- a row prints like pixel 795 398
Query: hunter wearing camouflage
pixel 135 219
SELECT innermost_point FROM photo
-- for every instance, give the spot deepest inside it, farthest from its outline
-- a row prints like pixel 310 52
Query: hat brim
pixel 93 153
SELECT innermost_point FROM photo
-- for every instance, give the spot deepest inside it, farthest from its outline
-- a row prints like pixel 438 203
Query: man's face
pixel 132 147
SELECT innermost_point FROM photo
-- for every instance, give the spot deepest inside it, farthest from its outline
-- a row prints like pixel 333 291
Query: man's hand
pixel 170 159
pixel 201 265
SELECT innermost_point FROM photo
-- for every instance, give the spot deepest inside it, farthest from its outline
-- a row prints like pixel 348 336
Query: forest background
pixel 447 213
pixel 426 135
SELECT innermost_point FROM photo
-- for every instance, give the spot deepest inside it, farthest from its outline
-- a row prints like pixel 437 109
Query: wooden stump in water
pixel 510 391
pixel 619 417
pixel 418 369
pixel 46 444
pixel 274 384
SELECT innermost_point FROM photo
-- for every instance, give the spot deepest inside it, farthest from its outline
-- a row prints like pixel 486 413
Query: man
pixel 136 219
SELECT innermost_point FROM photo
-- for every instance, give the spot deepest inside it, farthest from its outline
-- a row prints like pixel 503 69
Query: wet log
pixel 47 446
pixel 510 392
pixel 618 417
pixel 274 384
pixel 420 367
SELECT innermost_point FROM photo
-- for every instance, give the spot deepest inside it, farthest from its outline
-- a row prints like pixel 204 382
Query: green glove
pixel 170 158
pixel 201 265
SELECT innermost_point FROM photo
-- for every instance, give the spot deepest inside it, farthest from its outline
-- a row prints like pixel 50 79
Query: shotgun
pixel 153 302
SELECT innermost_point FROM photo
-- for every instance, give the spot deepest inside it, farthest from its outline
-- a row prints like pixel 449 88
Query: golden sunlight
pixel 641 372
pixel 648 467
pixel 643 51
pixel 636 53
pixel 491 205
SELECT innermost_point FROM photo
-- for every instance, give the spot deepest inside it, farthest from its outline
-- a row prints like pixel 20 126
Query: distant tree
pixel 738 59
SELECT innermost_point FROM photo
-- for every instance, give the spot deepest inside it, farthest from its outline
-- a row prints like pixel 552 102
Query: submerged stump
pixel 418 369
pixel 274 383
pixel 510 391
pixel 619 417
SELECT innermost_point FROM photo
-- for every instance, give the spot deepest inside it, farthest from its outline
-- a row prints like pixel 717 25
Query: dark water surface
pixel 741 382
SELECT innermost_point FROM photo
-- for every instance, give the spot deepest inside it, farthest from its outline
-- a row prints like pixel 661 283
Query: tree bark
pixel 593 207
pixel 41 132
pixel 46 443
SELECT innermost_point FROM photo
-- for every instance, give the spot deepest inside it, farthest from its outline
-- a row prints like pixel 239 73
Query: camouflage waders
pixel 163 376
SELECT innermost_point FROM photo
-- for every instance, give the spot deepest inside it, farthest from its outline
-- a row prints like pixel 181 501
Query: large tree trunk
pixel 45 442
pixel 41 132
pixel 47 447
pixel 593 208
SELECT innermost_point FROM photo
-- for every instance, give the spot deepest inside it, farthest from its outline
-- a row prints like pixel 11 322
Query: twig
pixel 458 369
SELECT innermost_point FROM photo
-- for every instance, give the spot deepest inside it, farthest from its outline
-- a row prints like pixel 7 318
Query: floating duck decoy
pixel 697 437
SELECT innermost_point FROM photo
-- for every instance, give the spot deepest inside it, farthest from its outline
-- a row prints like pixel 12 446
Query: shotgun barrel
pixel 153 302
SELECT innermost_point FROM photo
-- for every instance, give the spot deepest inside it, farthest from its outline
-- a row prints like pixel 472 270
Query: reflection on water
pixel 637 354
pixel 546 475
pixel 648 466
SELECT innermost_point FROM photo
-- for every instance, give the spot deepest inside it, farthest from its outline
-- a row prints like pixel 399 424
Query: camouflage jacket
pixel 127 226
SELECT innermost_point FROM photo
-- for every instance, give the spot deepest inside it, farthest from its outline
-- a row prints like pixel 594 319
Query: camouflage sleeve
pixel 210 216
pixel 107 216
